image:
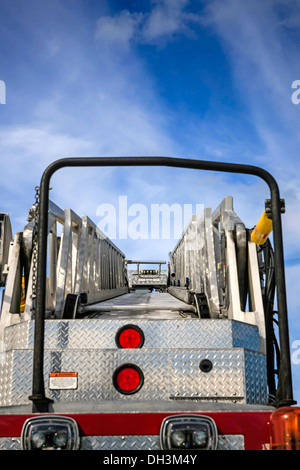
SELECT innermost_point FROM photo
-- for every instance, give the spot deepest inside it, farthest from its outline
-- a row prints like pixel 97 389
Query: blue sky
pixel 196 79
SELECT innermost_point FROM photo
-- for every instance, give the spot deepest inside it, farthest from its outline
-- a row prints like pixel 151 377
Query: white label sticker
pixel 63 380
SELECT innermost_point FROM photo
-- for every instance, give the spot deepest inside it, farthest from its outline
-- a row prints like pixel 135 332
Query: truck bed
pixel 141 304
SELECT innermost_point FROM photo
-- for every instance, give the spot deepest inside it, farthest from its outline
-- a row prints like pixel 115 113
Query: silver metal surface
pixel 193 260
pixel 80 259
pixel 178 333
pixel 176 342
pixel 214 257
pixel 142 301
pixel 170 357
pixel 10 443
pixel 225 442
pixel 148 443
pixel 169 374
pixel 6 238
pixel 87 260
pixel 12 294
pixel 120 443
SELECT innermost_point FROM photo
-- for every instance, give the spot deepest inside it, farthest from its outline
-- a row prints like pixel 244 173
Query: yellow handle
pixel 22 305
pixel 262 230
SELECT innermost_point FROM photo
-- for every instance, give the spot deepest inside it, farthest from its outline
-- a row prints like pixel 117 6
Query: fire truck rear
pixel 187 354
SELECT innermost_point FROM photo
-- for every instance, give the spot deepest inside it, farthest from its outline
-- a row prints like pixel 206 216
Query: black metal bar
pixel 284 391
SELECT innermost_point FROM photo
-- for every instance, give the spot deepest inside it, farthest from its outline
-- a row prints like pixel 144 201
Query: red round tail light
pixel 130 336
pixel 128 379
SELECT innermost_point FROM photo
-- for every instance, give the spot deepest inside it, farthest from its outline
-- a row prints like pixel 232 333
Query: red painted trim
pixel 253 425
pixel 11 425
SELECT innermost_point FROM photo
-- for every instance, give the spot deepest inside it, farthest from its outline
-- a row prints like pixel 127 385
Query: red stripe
pixel 253 425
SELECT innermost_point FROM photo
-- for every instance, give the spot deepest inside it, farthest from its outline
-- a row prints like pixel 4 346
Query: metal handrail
pixel 284 394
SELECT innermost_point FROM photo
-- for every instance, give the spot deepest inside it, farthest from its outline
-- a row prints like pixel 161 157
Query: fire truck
pixel 98 356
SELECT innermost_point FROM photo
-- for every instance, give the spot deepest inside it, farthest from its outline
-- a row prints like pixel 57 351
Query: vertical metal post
pixel 284 394
pixel 38 398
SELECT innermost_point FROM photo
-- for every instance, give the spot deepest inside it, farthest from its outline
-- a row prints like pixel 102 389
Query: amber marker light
pixel 285 429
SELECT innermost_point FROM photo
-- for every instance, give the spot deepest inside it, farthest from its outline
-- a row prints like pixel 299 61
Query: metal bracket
pixel 268 208
pixel 202 305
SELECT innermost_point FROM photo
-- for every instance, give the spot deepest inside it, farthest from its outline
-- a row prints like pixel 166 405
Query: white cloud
pixel 26 152
pixel 118 29
pixel 34 141
pixel 165 20
pixel 264 67
pixel 256 41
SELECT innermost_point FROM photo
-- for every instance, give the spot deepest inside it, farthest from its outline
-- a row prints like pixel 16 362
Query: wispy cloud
pixel 264 62
pixel 166 20
pixel 264 65
pixel 118 29
pixel 105 101
pixel 82 83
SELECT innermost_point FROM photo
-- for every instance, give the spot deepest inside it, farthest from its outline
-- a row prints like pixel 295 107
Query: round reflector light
pixel 128 379
pixel 130 336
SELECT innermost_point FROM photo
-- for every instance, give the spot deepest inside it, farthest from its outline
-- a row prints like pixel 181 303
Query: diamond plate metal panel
pixel 255 373
pixel 168 374
pixel 95 370
pixel 100 333
pixel 224 381
pixel 19 336
pixel 225 442
pixel 6 379
pixel 245 336
pixel 148 443
pixel 120 443
pixel 169 359
pixel 228 442
pixel 16 378
pixel 10 443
